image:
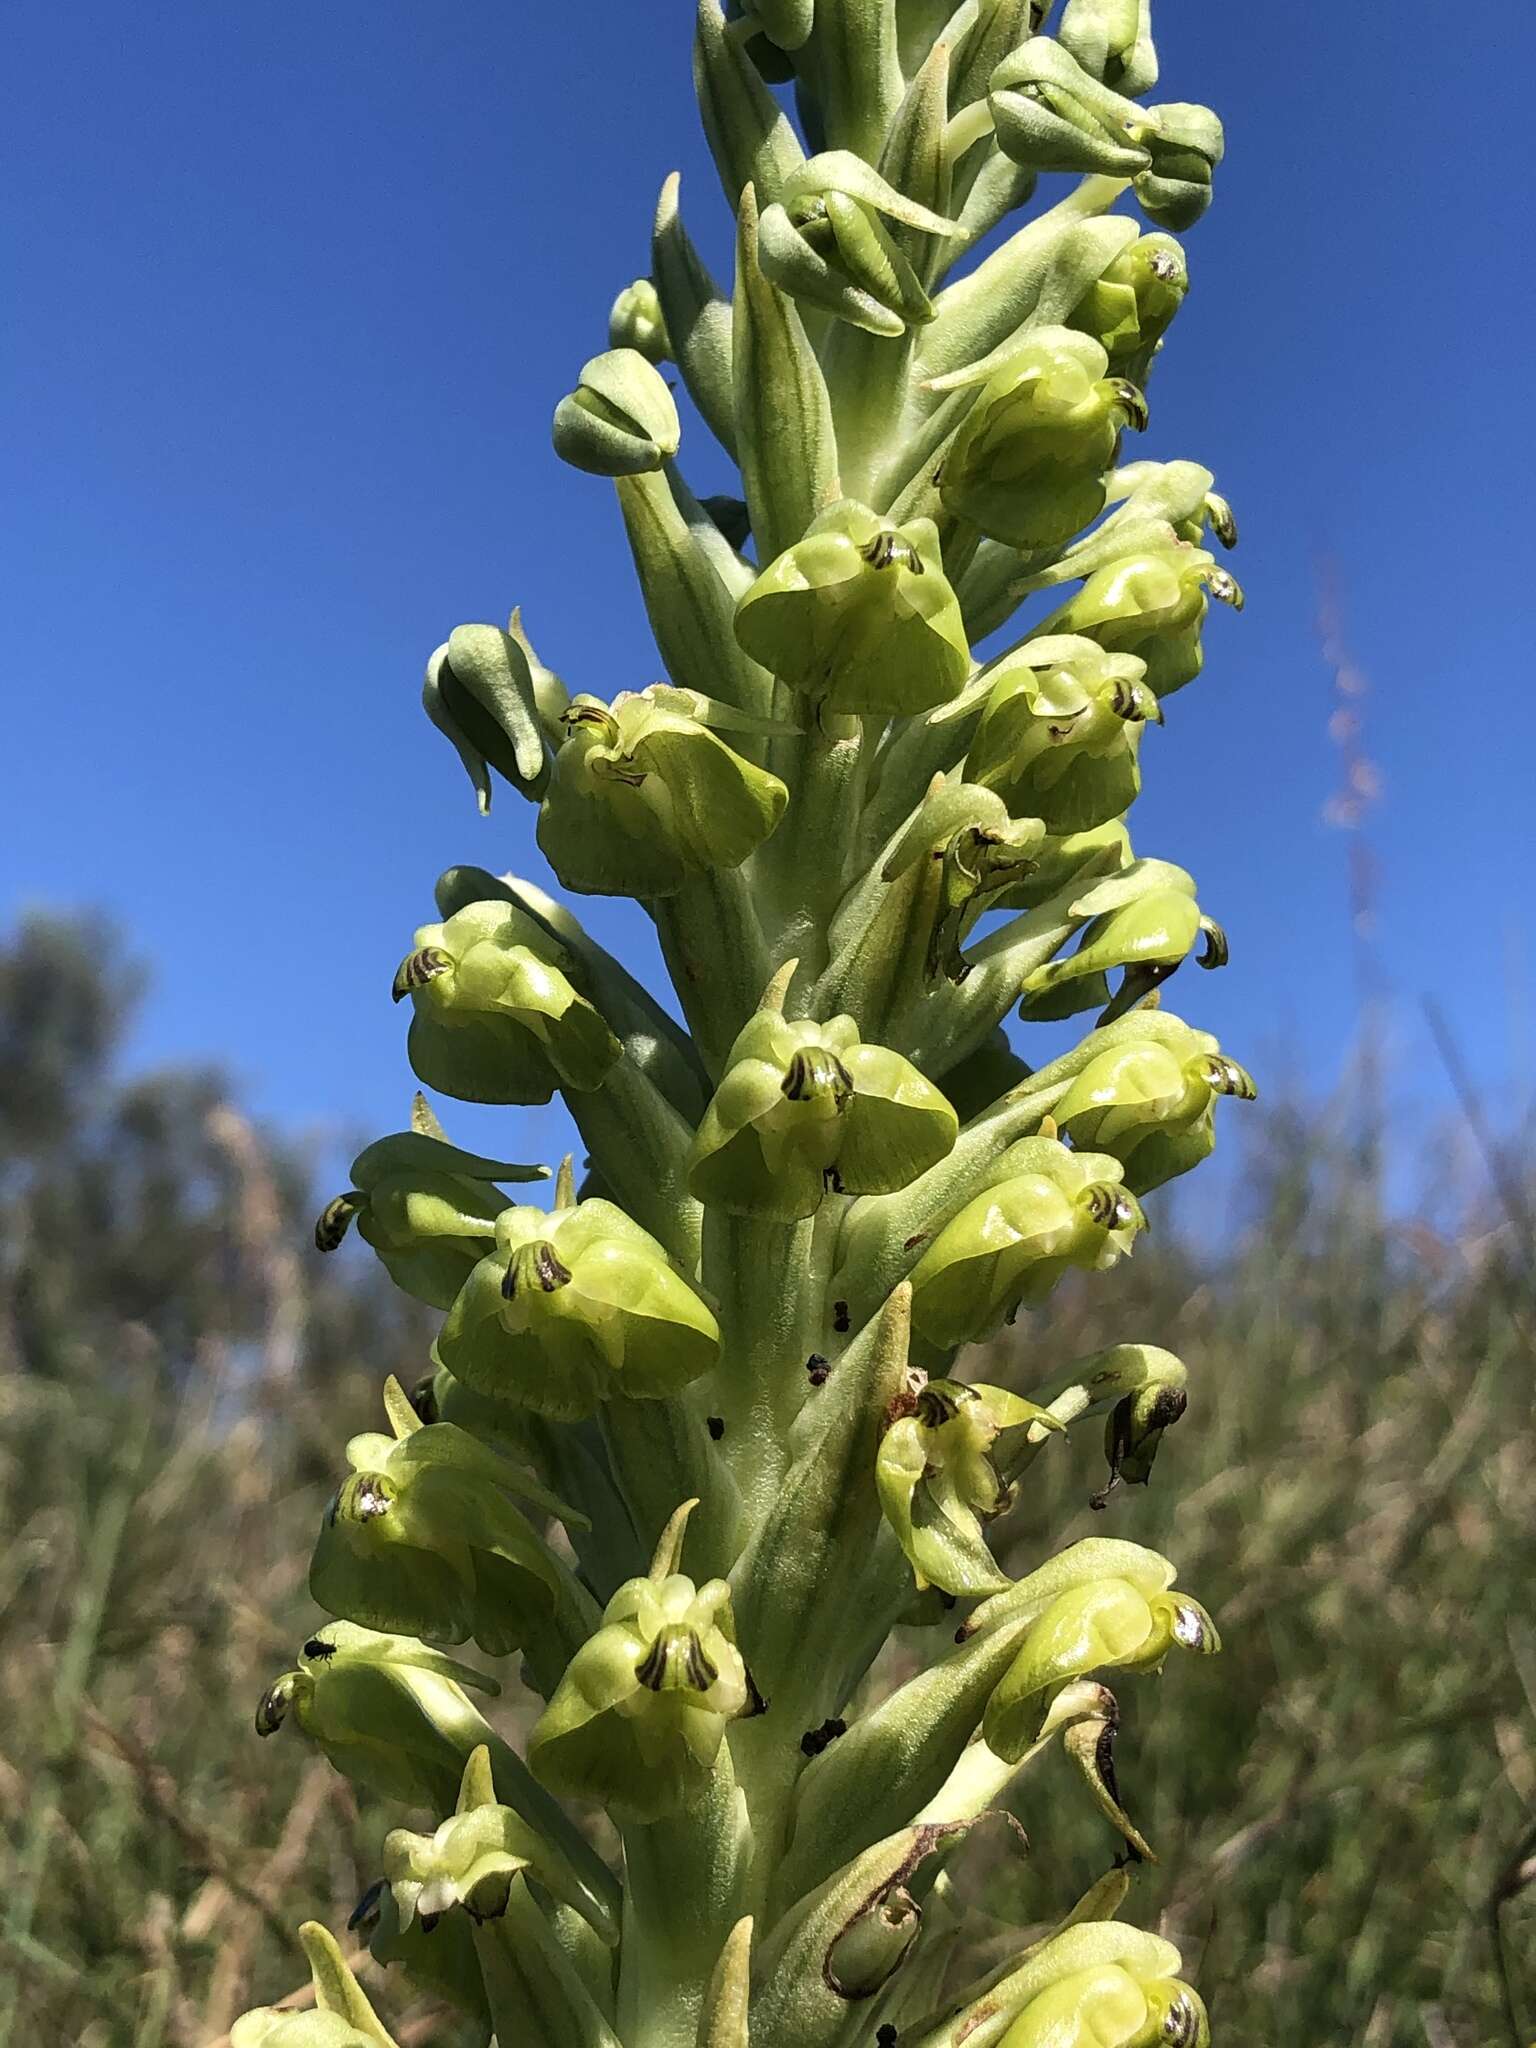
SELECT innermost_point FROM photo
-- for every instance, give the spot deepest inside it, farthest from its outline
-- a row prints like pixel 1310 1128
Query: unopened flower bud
pixel 621 420
pixel 826 241
pixel 1185 145
pixel 572 1306
pixel 1152 605
pixel 859 616
pixel 1112 41
pixel 938 1481
pixel 1028 463
pixel 1050 1209
pixel 786 23
pixel 426 1538
pixel 638 1719
pixel 872 1948
pixel 637 322
pixel 428 1210
pixel 645 794
pixel 1109 1624
pixel 482 692
pixel 1152 1105
pixel 1060 736
pixel 1130 306
pixel 1052 115
pixel 495 1017
pixel 807 1108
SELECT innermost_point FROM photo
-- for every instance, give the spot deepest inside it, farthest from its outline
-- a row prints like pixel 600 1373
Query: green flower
pixel 1060 736
pixel 1153 1105
pixel 1029 461
pixel 638 1719
pixel 859 616
pixel 1151 605
pixel 428 1210
pixel 1052 115
pixel 496 1018
pixel 938 1482
pixel 1110 2007
pixel 388 1712
pixel 487 692
pixel 1145 920
pixel 804 1108
pixel 621 420
pixel 644 794
pixel 1110 1624
pixel 1185 144
pixel 1130 306
pixel 1048 1209
pixel 825 241
pixel 426 1538
pixel 573 1305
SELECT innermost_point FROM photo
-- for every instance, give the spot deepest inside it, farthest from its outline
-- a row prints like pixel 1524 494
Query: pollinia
pixel 701 1440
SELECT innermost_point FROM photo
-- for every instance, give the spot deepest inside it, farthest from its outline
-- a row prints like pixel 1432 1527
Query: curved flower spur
pixel 704 1430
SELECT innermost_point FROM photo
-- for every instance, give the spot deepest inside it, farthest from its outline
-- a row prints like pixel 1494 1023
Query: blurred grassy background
pixel 1338 1800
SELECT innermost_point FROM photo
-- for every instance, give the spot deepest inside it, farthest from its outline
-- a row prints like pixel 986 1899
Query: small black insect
pixel 716 1426
pixel 885 2037
pixel 840 1316
pixel 319 1649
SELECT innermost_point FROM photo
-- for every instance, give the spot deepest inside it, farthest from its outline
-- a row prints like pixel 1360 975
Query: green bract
pixel 1029 462
pixel 805 1109
pixel 858 616
pixel 639 1717
pixel 1152 606
pixel 825 1157
pixel 574 1305
pixel 644 795
pixel 495 1017
pixel 1047 1210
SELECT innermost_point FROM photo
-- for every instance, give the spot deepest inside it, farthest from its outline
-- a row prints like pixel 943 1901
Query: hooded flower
pixel 859 616
pixel 495 1015
pixel 645 794
pixel 1153 1105
pixel 1151 605
pixel 573 1305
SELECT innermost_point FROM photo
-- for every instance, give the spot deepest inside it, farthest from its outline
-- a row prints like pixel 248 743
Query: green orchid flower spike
pixel 426 1538
pixel 808 1109
pixel 645 794
pixel 858 616
pixel 495 1017
pixel 831 1152
pixel 640 1715
pixel 940 1483
pixel 428 1210
pixel 1028 465
pixel 573 1305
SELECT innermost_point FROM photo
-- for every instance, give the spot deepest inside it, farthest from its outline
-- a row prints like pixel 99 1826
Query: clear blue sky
pixel 294 291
